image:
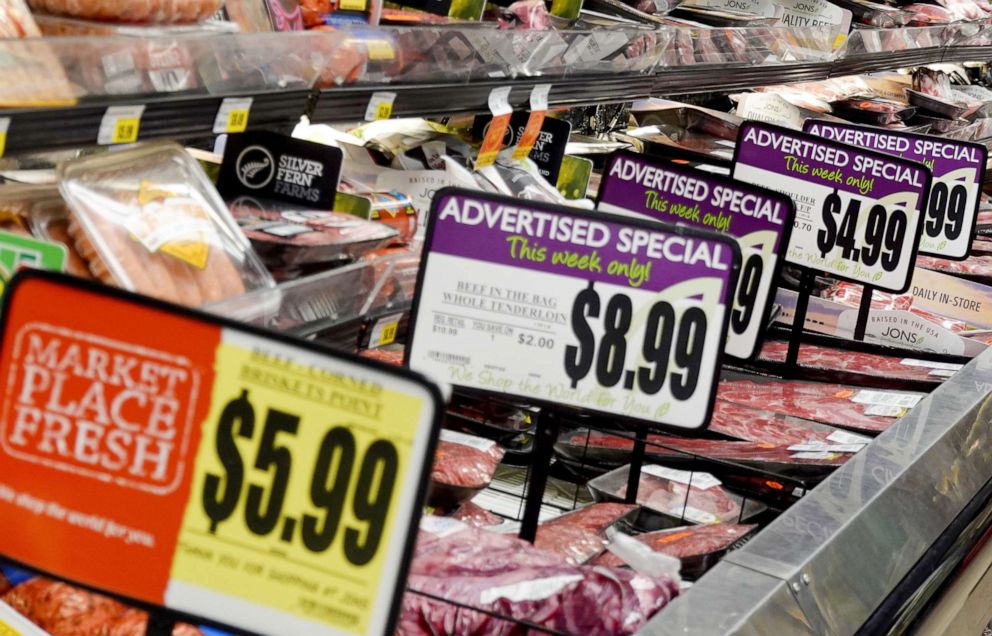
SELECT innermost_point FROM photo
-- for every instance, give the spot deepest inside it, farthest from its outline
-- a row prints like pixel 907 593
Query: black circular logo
pixel 255 167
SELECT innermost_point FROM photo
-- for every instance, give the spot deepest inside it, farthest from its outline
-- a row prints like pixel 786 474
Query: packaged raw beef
pixel 763 426
pixel 837 404
pixel 872 110
pixel 856 367
pixel 135 11
pixel 976 268
pixel 581 534
pixel 149 220
pixel 678 496
pixel 511 578
pixel 63 610
pixel 288 236
pixel 850 294
pixel 392 354
pixel 463 465
pixel 697 547
pixel 475 515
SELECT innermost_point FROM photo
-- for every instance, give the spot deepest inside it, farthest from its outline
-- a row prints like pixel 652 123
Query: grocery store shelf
pixel 175 117
pixel 726 77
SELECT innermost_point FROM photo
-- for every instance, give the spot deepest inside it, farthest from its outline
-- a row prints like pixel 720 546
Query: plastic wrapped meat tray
pixel 580 535
pixel 148 219
pixel 698 547
pixel 463 465
pixel 134 11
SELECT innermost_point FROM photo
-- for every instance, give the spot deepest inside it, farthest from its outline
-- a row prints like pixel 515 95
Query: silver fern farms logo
pixel 255 167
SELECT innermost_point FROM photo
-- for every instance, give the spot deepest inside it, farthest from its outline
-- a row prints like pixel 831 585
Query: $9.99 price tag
pixel 858 212
pixel 285 482
pixel 614 315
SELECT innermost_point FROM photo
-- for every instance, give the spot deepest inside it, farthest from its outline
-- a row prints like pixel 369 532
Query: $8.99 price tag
pixel 285 482
pixel 613 315
pixel 858 212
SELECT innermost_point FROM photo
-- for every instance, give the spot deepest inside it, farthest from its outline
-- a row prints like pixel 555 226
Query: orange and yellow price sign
pixel 286 482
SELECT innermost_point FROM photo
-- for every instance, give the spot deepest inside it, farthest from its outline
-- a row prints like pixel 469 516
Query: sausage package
pixel 148 219
pixel 133 11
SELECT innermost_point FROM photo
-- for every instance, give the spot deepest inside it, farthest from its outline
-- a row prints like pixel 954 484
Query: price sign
pixel 4 127
pixel 232 116
pixel 620 316
pixel 286 482
pixel 951 212
pixel 858 212
pixel 120 125
pixel 380 106
pixel 760 220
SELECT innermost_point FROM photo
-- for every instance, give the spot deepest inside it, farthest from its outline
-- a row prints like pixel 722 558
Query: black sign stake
pixel 863 310
pixel 798 322
pixel 544 446
pixel 636 463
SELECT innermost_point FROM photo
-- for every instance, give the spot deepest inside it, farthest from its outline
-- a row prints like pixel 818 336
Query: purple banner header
pixel 673 194
pixel 941 155
pixel 832 164
pixel 561 241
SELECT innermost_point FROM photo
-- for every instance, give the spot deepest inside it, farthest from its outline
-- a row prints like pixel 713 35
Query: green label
pixel 17 251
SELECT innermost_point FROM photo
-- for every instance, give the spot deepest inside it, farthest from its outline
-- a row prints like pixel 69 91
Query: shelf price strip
pixel 286 482
pixel 858 212
pixel 761 221
pixel 951 211
pixel 619 316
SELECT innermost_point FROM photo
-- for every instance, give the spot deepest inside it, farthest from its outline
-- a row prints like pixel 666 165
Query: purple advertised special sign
pixel 619 316
pixel 958 167
pixel 761 221
pixel 858 212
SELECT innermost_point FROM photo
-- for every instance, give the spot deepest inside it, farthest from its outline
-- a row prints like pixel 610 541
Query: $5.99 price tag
pixel 858 212
pixel 286 482
pixel 951 211
pixel 619 316
pixel 760 219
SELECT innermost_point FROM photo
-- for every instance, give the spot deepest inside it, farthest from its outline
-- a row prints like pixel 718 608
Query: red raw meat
pixel 840 360
pixel 978 267
pixel 757 425
pixel 389 356
pixel 580 535
pixel 4 584
pixel 685 542
pixel 465 461
pixel 674 498
pixel 510 577
pixel 850 294
pixel 822 402
pixel 475 515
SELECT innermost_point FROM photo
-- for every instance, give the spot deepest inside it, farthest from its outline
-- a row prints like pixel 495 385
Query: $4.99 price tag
pixel 951 212
pixel 858 212
pixel 285 482
pixel 760 219
pixel 619 316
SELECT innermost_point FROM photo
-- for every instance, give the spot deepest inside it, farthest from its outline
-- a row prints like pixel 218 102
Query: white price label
pixel 886 410
pixel 760 220
pixel 858 212
pixel 120 125
pixel 887 398
pixel 828 448
pixel 696 479
pixel 929 364
pixel 478 443
pixel 380 106
pixel 843 437
pixel 618 316
pixel 233 114
pixel 951 210
pixel 384 331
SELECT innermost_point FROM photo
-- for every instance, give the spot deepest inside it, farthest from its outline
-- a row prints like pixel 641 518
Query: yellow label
pixel 383 110
pixel 380 50
pixel 6 629
pixel 195 253
pixel 171 224
pixel 352 5
pixel 237 120
pixel 3 143
pixel 126 130
pixel 389 334
pixel 325 458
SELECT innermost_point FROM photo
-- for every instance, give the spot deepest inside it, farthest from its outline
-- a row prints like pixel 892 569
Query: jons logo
pixel 255 167
pixel 99 408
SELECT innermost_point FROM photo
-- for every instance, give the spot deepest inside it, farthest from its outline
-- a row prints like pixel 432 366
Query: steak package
pixel 463 465
pixel 290 236
pixel 854 367
pixel 511 578
pixel 677 496
pixel 697 547
pixel 850 407
pixel 976 268
pixel 581 534
pixel 63 610
pixel 134 11
pixel 149 220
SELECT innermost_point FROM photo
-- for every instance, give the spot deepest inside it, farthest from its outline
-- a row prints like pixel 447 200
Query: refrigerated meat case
pixel 867 550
